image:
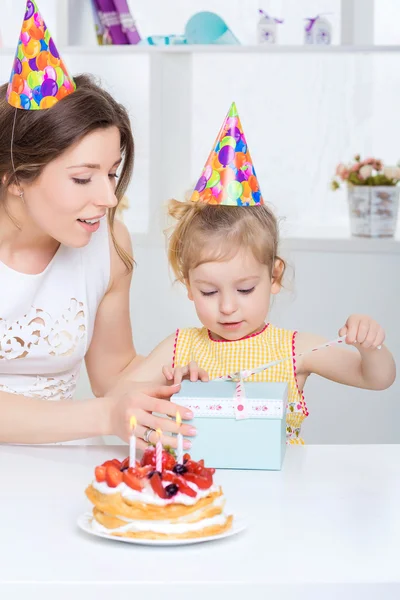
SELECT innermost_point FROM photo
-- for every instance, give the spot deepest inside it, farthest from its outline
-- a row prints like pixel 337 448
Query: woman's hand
pixel 191 371
pixel 140 400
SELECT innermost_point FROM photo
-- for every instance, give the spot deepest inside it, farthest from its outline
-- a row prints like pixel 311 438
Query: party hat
pixel 229 177
pixel 39 78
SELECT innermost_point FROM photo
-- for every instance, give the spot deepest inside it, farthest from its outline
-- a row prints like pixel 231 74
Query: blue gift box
pixel 227 442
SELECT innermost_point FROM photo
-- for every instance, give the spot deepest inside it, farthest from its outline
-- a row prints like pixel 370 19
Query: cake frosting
pixel 181 501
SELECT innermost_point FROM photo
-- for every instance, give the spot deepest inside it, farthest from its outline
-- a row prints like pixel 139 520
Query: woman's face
pixel 75 190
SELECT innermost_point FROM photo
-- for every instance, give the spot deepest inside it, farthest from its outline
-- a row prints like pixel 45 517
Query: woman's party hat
pixel 39 78
pixel 229 176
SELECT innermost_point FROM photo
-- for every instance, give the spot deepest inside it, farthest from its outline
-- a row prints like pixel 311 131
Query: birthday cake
pixel 179 502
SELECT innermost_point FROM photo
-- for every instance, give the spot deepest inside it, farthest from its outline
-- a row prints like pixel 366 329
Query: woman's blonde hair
pixel 207 232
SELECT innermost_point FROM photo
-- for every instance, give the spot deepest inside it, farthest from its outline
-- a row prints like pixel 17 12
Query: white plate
pixel 85 523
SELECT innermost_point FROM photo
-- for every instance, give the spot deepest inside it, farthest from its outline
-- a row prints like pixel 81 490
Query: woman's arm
pixel 367 368
pixel 26 420
pixel 112 350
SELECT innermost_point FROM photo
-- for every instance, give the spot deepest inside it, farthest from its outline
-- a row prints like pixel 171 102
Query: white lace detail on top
pixel 47 320
pixel 37 329
pixel 50 388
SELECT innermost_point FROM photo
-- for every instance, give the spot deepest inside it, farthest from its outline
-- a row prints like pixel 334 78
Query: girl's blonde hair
pixel 205 233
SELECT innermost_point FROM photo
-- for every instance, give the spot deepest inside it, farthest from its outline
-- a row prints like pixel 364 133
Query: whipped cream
pixel 218 502
pixel 147 496
pixel 161 526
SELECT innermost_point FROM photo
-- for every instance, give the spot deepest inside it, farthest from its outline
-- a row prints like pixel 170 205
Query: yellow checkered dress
pixel 220 358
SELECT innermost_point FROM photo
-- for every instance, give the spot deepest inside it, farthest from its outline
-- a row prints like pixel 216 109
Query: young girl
pixel 227 257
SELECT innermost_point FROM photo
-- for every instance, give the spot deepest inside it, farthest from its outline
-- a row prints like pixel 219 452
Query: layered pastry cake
pixel 179 502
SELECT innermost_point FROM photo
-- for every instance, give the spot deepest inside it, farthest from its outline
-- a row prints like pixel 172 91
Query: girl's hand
pixel 191 371
pixel 141 401
pixel 363 331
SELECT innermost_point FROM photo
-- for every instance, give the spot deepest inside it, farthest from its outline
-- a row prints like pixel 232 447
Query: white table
pixel 327 526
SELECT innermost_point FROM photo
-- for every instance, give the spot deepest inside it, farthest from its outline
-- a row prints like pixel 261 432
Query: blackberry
pixel 179 469
pixel 171 490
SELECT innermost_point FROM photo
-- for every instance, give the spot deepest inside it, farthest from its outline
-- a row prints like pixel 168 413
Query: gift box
pixel 225 441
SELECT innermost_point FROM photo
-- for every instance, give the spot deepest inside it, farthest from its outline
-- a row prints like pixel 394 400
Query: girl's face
pixel 232 297
pixel 77 187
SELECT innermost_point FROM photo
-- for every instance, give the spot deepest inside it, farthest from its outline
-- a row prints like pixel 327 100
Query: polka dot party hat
pixel 229 177
pixel 39 78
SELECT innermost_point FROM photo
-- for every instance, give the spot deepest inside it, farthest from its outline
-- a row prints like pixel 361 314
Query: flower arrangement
pixel 365 172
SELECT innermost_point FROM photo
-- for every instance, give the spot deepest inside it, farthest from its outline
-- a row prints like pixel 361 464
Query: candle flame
pixel 159 433
pixel 133 422
pixel 178 419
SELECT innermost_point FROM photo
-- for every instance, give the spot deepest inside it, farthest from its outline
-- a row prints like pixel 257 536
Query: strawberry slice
pixel 140 472
pixel 115 462
pixel 113 476
pixel 157 486
pixel 125 463
pixel 169 476
pixel 180 482
pixel 191 466
pixel 204 472
pixel 186 489
pixel 198 468
pixel 207 475
pixel 144 471
pixel 100 474
pixel 203 483
pixel 131 480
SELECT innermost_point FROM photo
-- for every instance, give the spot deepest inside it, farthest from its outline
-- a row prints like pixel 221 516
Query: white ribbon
pixel 245 373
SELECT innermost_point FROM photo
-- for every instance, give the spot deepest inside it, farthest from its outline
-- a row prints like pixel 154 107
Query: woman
pixel 65 274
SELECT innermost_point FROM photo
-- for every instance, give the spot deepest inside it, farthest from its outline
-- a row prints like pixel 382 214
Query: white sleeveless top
pixel 47 320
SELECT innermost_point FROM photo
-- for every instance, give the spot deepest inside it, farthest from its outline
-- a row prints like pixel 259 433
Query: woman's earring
pixel 21 195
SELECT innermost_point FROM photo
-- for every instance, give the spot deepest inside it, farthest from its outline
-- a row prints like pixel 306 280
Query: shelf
pixel 215 49
pixel 306 239
pixel 335 239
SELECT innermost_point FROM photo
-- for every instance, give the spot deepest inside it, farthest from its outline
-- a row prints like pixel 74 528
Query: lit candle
pixel 179 459
pixel 132 442
pixel 159 452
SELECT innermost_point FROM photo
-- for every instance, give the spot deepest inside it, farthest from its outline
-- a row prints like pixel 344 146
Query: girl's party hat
pixel 39 78
pixel 229 177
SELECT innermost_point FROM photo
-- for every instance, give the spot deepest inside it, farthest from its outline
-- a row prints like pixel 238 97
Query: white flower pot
pixel 373 210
